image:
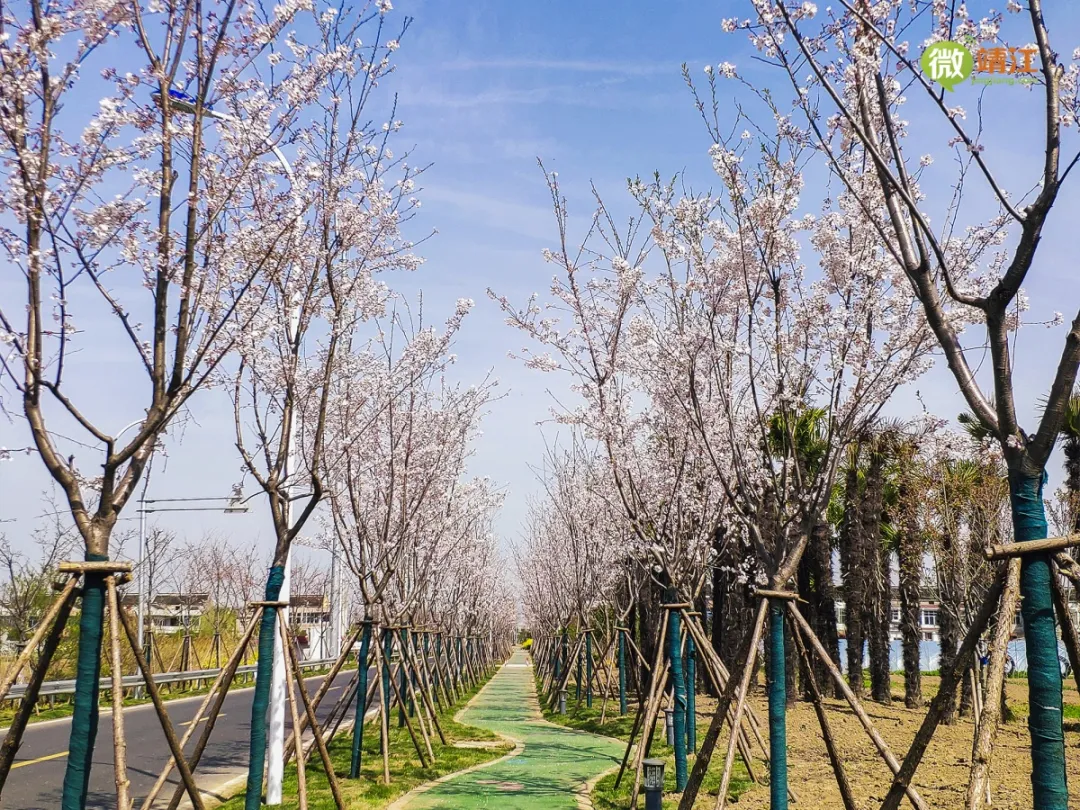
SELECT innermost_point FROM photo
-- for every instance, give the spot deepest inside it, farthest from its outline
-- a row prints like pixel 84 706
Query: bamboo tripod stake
pixel 316 731
pixel 986 727
pixel 214 700
pixel 826 730
pixel 39 633
pixel 58 614
pixel 301 775
pixel 123 799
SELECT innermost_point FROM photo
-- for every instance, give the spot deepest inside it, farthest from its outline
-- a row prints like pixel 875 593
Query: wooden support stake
pixel 94 567
pixel 740 701
pixel 425 697
pixel 163 715
pixel 217 694
pixel 1069 635
pixel 638 716
pixel 39 633
pixel 652 709
pixel 384 698
pixel 321 692
pixel 13 738
pixel 747 653
pixel 987 725
pixel 826 730
pixel 320 743
pixel 1051 544
pixel 719 679
pixel 123 798
pixel 946 692
pixel 765 593
pixel 301 771
pixel 853 702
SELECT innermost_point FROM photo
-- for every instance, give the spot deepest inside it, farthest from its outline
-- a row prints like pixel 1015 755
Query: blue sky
pixel 595 90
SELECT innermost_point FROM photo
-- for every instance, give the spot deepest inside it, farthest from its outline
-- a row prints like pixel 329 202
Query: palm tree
pixel 802 436
pixel 910 545
pixel 848 513
pixel 1070 431
pixel 880 495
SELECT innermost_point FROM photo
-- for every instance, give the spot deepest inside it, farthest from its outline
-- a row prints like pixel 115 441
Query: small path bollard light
pixel 669 726
pixel 562 701
pixel 654 784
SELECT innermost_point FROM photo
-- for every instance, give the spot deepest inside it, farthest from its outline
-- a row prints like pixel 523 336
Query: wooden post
pixel 384 728
pixel 708 745
pixel 123 799
pixel 740 700
pixel 59 619
pixel 946 690
pixel 39 633
pixel 867 724
pixel 652 709
pixel 322 691
pixel 301 772
pixel 320 743
pixel 426 699
pixel 987 725
pixel 826 730
pixel 1069 635
pixel 163 715
pixel 217 694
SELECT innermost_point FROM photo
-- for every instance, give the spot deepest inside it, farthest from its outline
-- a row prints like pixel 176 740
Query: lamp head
pixel 654 774
pixel 181 101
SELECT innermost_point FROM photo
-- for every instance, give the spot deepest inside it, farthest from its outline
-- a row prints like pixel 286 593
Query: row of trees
pixel 223 219
pixel 735 353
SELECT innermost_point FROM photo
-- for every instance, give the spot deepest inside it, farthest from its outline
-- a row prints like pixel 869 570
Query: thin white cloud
pixel 571 65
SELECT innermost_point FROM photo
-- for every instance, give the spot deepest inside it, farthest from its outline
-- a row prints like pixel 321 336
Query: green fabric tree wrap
pixel 622 673
pixel 588 669
pixel 777 680
pixel 678 684
pixel 84 720
pixel 403 691
pixel 1048 781
pixel 691 694
pixel 361 701
pixel 261 699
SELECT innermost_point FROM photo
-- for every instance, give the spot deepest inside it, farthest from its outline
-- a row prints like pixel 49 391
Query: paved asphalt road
pixel 36 781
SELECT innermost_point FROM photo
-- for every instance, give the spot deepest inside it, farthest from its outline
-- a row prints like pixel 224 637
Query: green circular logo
pixel 947 63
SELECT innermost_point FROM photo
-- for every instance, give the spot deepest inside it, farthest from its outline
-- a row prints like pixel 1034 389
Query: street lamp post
pixel 275 772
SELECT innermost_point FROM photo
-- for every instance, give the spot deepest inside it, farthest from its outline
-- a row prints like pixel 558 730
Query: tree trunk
pixel 261 699
pixel 880 645
pixel 911 565
pixel 876 575
pixel 84 719
pixel 950 602
pixel 852 567
pixel 777 667
pixel 1048 781
pixel 820 553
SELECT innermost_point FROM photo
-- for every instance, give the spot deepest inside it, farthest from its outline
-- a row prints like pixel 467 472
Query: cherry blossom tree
pixel 857 82
pixel 128 210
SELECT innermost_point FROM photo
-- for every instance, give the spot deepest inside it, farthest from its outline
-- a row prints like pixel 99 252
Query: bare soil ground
pixel 943 775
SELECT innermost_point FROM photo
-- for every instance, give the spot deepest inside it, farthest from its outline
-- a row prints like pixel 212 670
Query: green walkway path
pixel 556 761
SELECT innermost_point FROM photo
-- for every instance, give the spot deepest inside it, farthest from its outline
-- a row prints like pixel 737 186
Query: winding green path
pixel 555 762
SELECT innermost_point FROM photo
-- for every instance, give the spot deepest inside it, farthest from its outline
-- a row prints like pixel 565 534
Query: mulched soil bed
pixel 942 777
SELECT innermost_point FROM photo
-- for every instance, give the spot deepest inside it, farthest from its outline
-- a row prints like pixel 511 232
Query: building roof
pixel 163 600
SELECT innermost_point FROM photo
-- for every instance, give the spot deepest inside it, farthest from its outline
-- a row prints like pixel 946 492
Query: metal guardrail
pixel 53 688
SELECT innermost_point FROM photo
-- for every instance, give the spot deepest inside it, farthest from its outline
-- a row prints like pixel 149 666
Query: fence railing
pixel 53 688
